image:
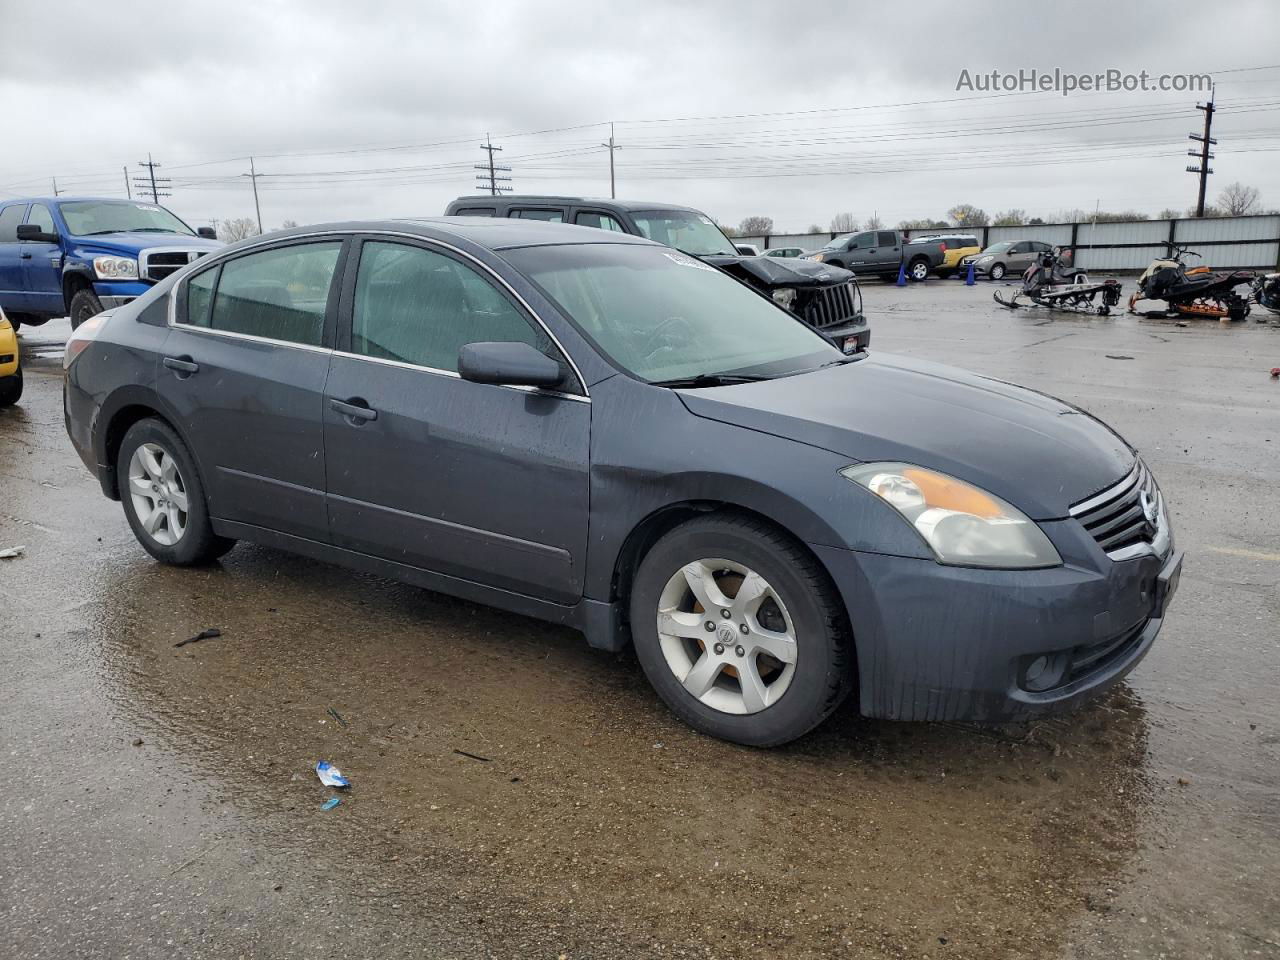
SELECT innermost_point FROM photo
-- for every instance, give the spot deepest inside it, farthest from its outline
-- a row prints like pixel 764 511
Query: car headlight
pixel 115 268
pixel 784 297
pixel 962 524
pixel 985 259
pixel 818 256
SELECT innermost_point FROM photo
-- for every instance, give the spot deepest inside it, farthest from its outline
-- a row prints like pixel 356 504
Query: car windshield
pixel 685 230
pixel 661 315
pixel 88 217
pixel 838 242
pixel 998 247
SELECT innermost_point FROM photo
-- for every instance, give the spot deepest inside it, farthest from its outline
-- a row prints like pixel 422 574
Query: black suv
pixel 825 297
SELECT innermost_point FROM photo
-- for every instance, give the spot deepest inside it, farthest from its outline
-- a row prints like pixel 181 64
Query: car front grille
pixel 1126 517
pixel 157 264
pixel 830 306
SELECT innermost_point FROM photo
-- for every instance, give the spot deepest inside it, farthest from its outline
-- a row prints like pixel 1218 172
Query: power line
pixel 1205 142
pixel 156 183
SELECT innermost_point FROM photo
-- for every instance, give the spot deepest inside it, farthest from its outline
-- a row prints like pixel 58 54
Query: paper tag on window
pixel 684 261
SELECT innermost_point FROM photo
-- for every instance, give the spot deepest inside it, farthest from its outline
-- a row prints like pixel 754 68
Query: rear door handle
pixel 354 411
pixel 182 365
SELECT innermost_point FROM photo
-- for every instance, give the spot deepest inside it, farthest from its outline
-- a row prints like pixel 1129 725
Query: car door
pixel 888 250
pixel 42 272
pixel 13 293
pixel 243 370
pixel 862 252
pixel 477 481
pixel 1020 257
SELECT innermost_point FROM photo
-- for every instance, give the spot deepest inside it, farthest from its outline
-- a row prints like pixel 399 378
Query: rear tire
pixel 771 701
pixel 84 304
pixel 918 271
pixel 998 271
pixel 11 388
pixel 173 535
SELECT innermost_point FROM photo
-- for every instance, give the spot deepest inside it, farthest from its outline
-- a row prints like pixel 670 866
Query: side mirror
pixel 207 232
pixel 509 364
pixel 32 231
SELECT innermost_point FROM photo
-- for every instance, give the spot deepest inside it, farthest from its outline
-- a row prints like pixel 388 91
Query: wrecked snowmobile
pixel 1198 292
pixel 1266 290
pixel 1053 282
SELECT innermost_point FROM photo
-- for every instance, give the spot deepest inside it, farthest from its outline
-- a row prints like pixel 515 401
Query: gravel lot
pixel 159 801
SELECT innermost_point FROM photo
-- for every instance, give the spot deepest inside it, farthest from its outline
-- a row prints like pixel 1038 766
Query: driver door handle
pixel 353 411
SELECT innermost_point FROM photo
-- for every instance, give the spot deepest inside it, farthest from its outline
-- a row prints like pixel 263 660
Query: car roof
pixel 64 198
pixel 492 233
pixel 533 199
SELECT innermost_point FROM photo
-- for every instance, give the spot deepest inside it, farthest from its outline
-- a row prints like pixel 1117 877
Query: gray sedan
pixel 601 431
pixel 1008 258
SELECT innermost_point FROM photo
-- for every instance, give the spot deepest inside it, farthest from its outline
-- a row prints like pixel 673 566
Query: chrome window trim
pixel 453 374
pixel 216 257
pixel 268 341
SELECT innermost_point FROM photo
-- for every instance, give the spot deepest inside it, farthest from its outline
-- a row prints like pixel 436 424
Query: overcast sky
pixel 370 110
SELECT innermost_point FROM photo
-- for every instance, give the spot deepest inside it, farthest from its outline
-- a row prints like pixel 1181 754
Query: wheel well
pixel 659 523
pixel 121 421
pixel 73 283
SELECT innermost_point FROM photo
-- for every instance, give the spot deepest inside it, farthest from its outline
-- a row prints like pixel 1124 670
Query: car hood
pixel 1038 453
pixel 774 273
pixel 133 242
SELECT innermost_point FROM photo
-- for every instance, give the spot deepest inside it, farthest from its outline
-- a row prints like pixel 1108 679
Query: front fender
pixel 648 452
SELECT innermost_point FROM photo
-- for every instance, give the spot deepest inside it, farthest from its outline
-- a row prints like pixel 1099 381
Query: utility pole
pixel 492 175
pixel 1203 153
pixel 157 186
pixel 253 175
pixel 612 147
pixel 55 186
pixel 128 190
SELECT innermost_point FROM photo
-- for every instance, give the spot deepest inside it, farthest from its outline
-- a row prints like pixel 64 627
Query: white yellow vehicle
pixel 10 364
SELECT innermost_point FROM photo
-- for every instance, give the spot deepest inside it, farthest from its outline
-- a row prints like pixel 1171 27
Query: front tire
pixel 84 304
pixel 772 669
pixel 163 497
pixel 998 271
pixel 918 271
pixel 11 389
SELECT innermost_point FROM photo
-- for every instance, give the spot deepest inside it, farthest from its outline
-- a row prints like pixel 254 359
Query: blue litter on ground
pixel 330 803
pixel 330 775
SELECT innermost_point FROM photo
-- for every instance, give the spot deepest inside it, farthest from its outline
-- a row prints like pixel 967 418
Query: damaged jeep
pixel 824 296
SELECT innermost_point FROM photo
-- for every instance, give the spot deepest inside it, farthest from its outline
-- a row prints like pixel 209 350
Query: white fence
pixel 1243 242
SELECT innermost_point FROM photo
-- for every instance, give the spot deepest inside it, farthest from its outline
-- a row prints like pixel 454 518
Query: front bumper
pixel 116 293
pixel 936 642
pixel 851 337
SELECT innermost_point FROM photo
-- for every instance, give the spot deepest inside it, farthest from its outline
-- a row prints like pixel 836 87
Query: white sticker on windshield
pixel 684 261
pixel 705 219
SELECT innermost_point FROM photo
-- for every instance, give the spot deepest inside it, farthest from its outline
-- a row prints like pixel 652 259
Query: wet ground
pixel 158 801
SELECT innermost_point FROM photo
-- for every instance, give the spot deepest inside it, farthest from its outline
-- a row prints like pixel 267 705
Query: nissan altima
pixel 598 430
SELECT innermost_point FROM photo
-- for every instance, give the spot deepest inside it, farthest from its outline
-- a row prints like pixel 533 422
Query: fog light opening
pixel 1044 672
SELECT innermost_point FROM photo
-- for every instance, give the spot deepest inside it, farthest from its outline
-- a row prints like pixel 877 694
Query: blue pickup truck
pixel 77 256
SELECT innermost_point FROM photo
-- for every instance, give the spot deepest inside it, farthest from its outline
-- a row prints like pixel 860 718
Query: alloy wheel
pixel 158 494
pixel 920 271
pixel 726 635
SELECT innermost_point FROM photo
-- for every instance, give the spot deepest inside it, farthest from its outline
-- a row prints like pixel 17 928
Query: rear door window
pixel 280 294
pixel 10 217
pixel 551 216
pixel 888 239
pixel 476 212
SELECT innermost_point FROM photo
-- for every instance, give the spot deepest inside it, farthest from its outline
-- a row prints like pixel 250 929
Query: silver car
pixel 1006 257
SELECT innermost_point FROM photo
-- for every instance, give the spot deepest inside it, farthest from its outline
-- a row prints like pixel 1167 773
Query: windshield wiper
pixel 710 380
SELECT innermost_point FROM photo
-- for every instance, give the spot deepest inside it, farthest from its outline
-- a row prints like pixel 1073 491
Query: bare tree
pixel 844 223
pixel 1238 200
pixel 1209 211
pixel 1168 213
pixel 1010 218
pixel 875 223
pixel 967 215
pixel 288 224
pixel 923 223
pixel 229 231
pixel 814 228
pixel 756 226
pixel 727 230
